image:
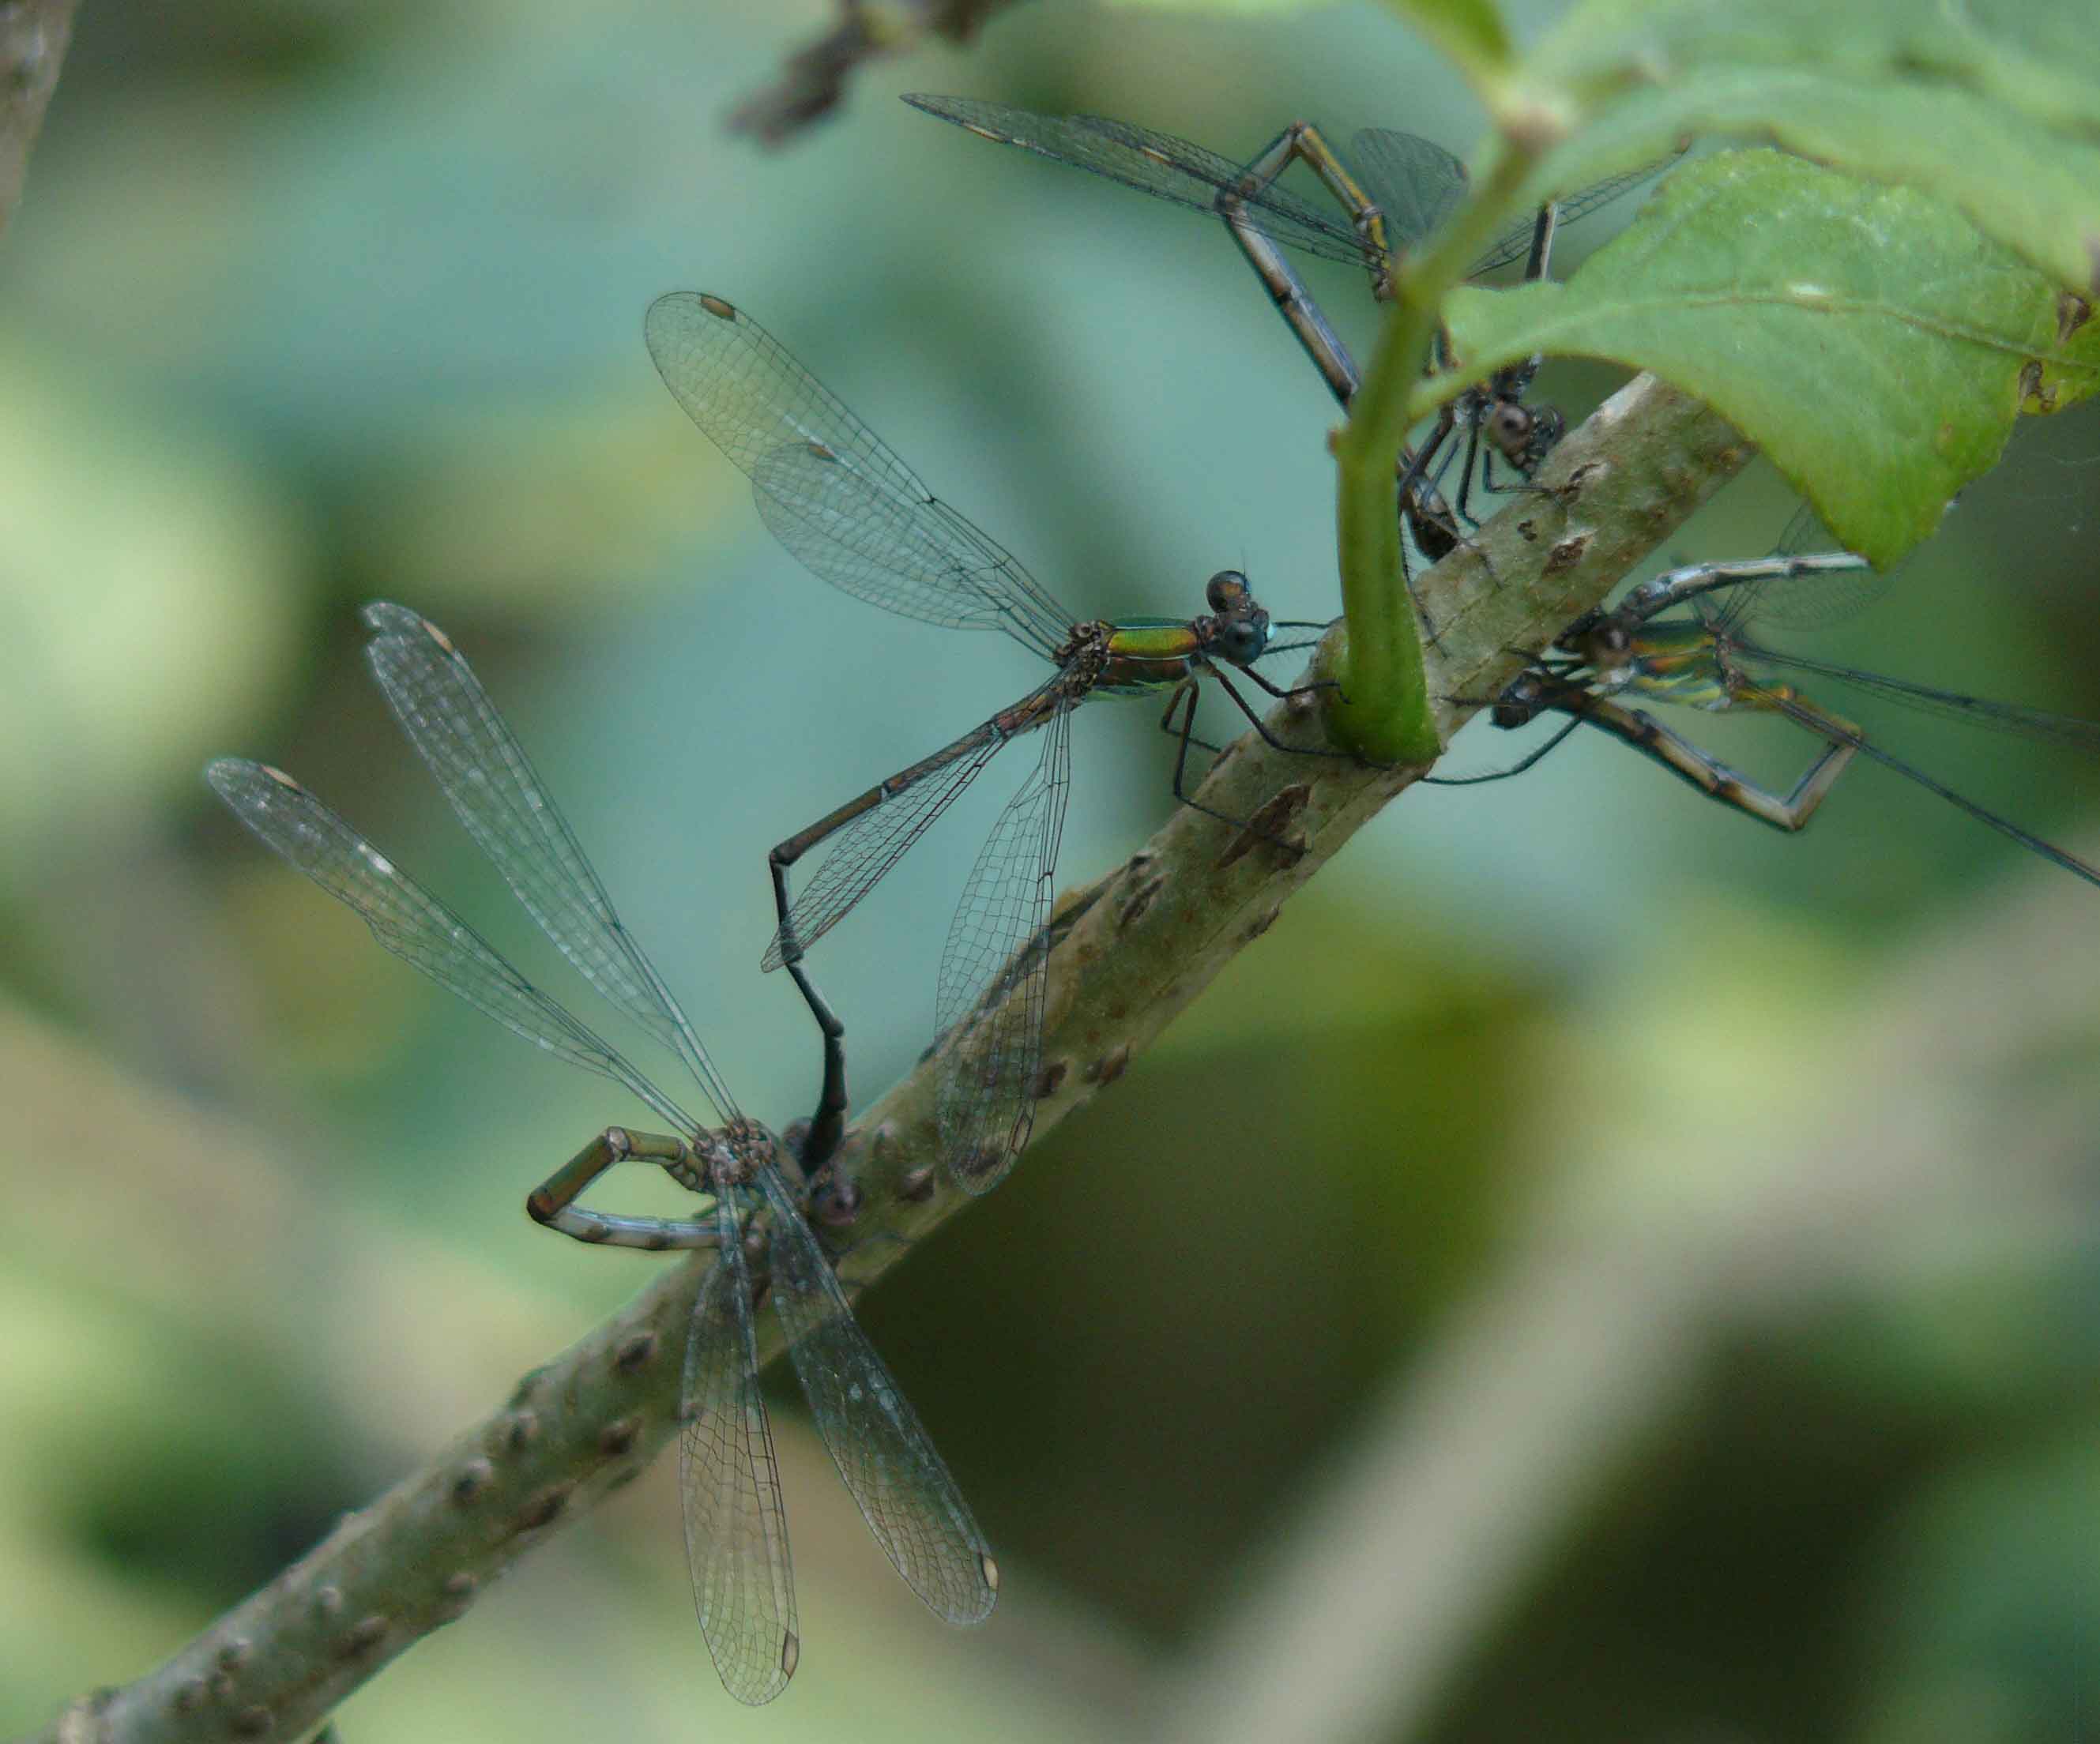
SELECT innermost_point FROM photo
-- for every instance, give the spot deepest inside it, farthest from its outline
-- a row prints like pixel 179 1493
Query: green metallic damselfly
pixel 1708 660
pixel 736 1528
pixel 840 500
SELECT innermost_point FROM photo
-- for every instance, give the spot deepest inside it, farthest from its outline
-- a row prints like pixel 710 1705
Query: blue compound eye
pixel 1240 640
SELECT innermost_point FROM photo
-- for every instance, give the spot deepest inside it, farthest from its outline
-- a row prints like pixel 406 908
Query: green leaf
pixel 2034 190
pixel 1866 337
pixel 2041 57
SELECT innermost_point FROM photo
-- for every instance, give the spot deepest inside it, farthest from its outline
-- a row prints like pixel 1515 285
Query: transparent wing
pixel 736 1526
pixel 1821 723
pixel 484 772
pixel 864 851
pixel 410 922
pixel 819 473
pixel 1976 712
pixel 1514 243
pixel 1153 163
pixel 899 1482
pixel 918 557
pixel 1831 593
pixel 1414 181
pixel 998 946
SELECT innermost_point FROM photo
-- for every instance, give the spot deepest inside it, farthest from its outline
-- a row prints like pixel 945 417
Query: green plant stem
pixel 1383 710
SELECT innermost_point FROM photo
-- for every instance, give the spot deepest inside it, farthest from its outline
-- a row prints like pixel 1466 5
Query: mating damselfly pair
pixel 844 504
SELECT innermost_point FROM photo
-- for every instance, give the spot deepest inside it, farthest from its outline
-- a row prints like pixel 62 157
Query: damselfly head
pixel 1521 702
pixel 1524 435
pixel 1601 640
pixel 1240 630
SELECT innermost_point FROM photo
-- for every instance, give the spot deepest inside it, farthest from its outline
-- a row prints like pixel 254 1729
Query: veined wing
pixel 736 1526
pixel 998 945
pixel 900 1483
pixel 486 775
pixel 1153 163
pixel 2012 718
pixel 1514 243
pixel 915 556
pixel 410 922
pixel 1833 586
pixel 920 559
pixel 864 850
pixel 1414 182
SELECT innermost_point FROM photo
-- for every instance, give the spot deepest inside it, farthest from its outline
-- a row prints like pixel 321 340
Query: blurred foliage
pixel 311 303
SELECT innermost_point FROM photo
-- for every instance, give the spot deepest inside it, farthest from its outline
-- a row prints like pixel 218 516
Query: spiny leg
pixel 1523 449
pixel 1184 697
pixel 1186 737
pixel 1181 736
pixel 1261 727
pixel 553 1201
pixel 1303 143
pixel 1281 691
pixel 1463 503
pixel 1543 433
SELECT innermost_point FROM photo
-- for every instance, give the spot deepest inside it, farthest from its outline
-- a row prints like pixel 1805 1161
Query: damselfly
pixel 736 1531
pixel 1394 189
pixel 835 495
pixel 1708 661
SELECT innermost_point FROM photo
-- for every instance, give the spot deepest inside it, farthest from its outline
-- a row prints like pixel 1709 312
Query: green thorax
pixel 1147 653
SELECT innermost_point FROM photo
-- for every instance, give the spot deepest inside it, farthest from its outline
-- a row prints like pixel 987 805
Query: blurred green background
pixel 1596 1269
